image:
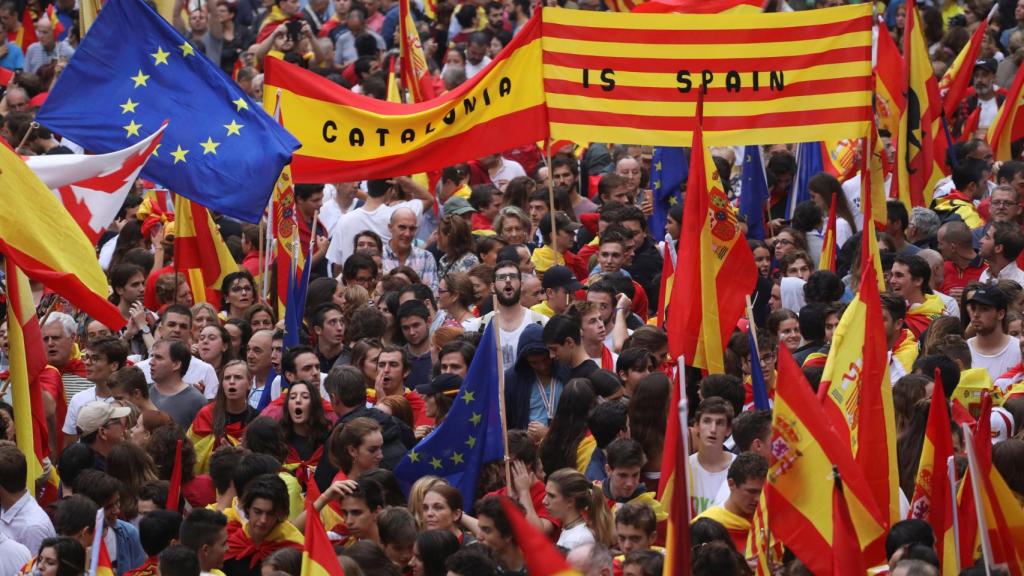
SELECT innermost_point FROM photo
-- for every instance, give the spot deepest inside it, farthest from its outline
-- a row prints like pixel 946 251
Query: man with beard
pixel 991 347
pixel 979 111
pixel 512 317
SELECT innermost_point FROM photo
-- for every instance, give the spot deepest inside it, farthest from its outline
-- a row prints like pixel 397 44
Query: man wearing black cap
pixel 991 347
pixel 545 257
pixel 559 286
pixel 979 111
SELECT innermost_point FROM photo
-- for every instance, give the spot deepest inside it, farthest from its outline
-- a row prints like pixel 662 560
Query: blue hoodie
pixel 519 378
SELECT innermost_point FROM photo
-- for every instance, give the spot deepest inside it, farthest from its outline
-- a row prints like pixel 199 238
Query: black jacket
pixel 398 439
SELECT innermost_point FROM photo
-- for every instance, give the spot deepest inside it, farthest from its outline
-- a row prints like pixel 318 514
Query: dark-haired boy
pixel 746 480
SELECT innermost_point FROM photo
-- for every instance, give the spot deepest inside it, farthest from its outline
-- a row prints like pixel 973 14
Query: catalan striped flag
pixel 623 5
pixel 673 486
pixel 699 6
pixel 45 243
pixel 957 78
pixel 931 500
pixel 806 453
pixel 715 270
pixel 828 248
pixel 919 141
pixel 28 359
pixel 890 98
pixel 779 77
pixel 855 391
pixel 200 251
pixel 415 72
pixel 318 558
pixel 543 558
pixel 1008 127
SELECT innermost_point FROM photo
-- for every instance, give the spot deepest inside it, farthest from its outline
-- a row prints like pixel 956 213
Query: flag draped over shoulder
pixel 919 166
pixel 669 170
pixel 470 435
pixel 42 239
pixel 805 454
pixel 415 73
pixel 753 192
pixel 28 359
pixel 200 251
pixel 715 271
pixel 1008 126
pixel 132 72
pixel 93 188
pixel 855 391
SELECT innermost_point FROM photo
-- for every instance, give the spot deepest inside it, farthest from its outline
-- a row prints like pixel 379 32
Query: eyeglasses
pixel 783 241
pixel 241 288
pixel 506 277
pixel 1002 203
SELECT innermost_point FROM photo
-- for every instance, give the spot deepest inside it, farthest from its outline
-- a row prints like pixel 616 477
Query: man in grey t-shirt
pixel 169 360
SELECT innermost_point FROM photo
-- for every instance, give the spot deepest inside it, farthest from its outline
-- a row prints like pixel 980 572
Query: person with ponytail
pixel 580 507
pixel 223 421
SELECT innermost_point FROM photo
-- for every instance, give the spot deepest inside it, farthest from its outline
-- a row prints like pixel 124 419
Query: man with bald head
pixel 257 356
pixel 47 49
pixel 400 251
pixel 963 265
pixel 938 266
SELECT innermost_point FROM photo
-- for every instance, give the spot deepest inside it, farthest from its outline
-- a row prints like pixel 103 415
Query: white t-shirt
pixel 13 555
pixel 988 112
pixel 198 371
pixel 510 340
pixel 708 486
pixel 508 170
pixel 996 364
pixel 576 536
pixel 354 222
pixel 76 403
pixel 474 69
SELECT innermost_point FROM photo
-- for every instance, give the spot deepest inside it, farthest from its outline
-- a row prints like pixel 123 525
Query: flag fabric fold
pixel 757 383
pixel 673 486
pixel 809 161
pixel 827 261
pixel 699 7
pixel 318 557
pixel 470 435
pixel 44 241
pixel 890 95
pixel 1008 126
pixel 131 72
pixel 200 251
pixel 958 77
pixel 415 73
pixel 174 489
pixel 540 555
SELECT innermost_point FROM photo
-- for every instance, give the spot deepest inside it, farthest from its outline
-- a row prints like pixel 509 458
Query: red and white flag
pixel 93 188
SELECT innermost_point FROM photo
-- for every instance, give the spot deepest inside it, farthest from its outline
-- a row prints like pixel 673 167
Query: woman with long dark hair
pixel 647 416
pixel 306 428
pixel 455 239
pixel 223 421
pixel 561 446
pixel 60 556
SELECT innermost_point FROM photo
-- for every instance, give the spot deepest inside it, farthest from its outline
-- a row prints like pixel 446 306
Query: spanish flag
pixel 828 248
pixel 715 270
pixel 957 79
pixel 890 99
pixel 44 242
pixel 99 560
pixel 840 158
pixel 289 256
pixel 541 556
pixel 415 72
pixel 873 189
pixel 855 391
pixel 1008 127
pixel 806 454
pixel 318 558
pixel 668 266
pixel 28 359
pixel 919 166
pixel 200 251
pixel 673 488
pixel 26 36
pixel 931 500
pixel 205 441
pixel 393 93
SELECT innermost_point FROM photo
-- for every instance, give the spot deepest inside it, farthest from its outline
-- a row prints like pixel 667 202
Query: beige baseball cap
pixel 95 415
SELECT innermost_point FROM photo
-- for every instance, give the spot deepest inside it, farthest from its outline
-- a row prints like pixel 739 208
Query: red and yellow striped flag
pixel 805 453
pixel 715 269
pixel 697 6
pixel 393 93
pixel 779 77
pixel 1008 126
pixel 39 235
pixel 931 500
pixel 542 558
pixel 828 247
pixel 415 72
pixel 28 359
pixel 318 558
pixel 957 79
pixel 855 391
pixel 200 251
pixel 919 162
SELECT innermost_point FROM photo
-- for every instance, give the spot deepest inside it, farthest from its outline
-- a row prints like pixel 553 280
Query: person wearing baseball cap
pixel 100 427
pixel 545 257
pixel 991 347
pixel 979 111
pixel 559 285
pixel 439 395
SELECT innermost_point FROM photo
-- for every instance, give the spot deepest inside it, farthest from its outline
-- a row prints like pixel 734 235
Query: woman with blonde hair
pixel 132 465
pixel 418 492
pixel 203 314
pixel 353 297
pixel 580 507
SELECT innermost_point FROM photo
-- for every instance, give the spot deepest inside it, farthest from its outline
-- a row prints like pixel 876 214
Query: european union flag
pixel 670 167
pixel 132 72
pixel 753 192
pixel 470 435
pixel 809 161
pixel 757 383
pixel 295 303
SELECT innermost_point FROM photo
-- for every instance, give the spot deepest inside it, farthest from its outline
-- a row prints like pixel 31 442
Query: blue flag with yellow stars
pixel 753 192
pixel 670 167
pixel 809 162
pixel 470 435
pixel 132 72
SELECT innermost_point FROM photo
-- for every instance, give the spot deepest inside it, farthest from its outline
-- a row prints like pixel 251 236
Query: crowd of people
pixel 559 254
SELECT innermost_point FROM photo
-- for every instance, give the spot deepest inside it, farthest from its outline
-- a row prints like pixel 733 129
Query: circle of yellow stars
pixel 140 80
pixel 456 457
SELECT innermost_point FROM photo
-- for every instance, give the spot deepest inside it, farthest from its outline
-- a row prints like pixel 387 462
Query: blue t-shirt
pixel 15 59
pixel 538 411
